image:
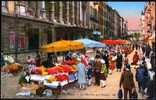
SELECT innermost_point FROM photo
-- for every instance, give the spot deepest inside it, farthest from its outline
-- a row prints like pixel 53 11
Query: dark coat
pixel 153 60
pixel 105 58
pixel 119 61
pixel 127 80
pixel 151 89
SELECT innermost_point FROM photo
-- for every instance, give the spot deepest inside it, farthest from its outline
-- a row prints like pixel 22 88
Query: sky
pixel 131 11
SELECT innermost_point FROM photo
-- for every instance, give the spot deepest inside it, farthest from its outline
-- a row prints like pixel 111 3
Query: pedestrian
pixel 111 63
pixel 119 61
pixel 148 50
pixel 135 59
pixel 81 74
pixel 151 87
pixel 89 74
pixel 103 74
pixel 105 57
pixel 126 60
pixel 133 46
pixel 38 60
pixel 84 59
pixel 143 48
pixel 142 77
pixel 127 82
pixel 136 46
pixel 152 58
pixel 97 70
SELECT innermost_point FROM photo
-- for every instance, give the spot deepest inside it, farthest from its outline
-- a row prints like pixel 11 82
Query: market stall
pixel 91 43
pixel 51 78
pixel 62 45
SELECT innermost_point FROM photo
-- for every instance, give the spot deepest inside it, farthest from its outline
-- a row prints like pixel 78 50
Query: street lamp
pixel 16 42
pixel 17 35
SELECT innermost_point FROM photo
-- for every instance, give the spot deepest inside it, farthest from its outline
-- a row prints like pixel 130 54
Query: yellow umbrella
pixel 63 45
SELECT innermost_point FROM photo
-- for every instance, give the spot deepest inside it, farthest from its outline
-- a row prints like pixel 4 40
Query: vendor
pixel 68 56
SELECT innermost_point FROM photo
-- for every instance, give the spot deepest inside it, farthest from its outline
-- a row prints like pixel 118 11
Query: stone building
pixel 148 19
pixel 27 25
pixel 31 24
pixel 147 22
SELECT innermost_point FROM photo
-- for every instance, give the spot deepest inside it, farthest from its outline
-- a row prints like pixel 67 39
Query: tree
pixel 136 36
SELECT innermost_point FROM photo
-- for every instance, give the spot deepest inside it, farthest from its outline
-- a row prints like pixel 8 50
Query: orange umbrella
pixel 62 45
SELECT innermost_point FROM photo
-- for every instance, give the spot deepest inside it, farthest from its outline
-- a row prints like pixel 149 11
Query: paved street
pixel 109 92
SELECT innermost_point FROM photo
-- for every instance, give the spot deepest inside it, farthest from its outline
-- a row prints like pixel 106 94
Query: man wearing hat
pixel 127 82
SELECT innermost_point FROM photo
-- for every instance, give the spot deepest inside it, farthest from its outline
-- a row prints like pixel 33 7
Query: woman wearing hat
pixel 81 73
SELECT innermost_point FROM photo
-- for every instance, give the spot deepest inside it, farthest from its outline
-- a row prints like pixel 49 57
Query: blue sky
pixel 128 8
pixel 131 11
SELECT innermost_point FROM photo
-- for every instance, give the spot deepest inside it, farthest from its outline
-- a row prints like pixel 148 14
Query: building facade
pixel 147 23
pixel 148 19
pixel 27 25
pixel 31 24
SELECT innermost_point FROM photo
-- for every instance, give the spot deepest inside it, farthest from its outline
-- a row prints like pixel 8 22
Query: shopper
pixel 126 60
pixel 89 74
pixel 105 57
pixel 97 70
pixel 148 50
pixel 152 58
pixel 142 77
pixel 103 74
pixel 119 61
pixel 127 82
pixel 81 74
pixel 135 58
pixel 111 63
pixel 151 87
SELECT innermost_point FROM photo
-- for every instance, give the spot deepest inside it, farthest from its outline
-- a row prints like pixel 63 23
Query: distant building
pixel 147 23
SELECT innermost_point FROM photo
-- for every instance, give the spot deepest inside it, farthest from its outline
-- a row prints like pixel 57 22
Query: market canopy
pixel 115 42
pixel 91 43
pixel 62 45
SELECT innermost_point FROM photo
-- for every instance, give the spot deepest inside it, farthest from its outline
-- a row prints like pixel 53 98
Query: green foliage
pixel 136 35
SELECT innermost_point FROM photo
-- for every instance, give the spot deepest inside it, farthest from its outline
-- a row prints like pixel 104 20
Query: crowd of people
pixel 105 62
pixel 145 75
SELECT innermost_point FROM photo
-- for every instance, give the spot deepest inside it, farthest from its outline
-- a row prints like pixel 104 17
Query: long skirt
pixel 97 78
pixel 102 76
pixel 112 66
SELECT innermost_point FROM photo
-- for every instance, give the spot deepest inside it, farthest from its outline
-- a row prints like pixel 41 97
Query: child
pixel 89 74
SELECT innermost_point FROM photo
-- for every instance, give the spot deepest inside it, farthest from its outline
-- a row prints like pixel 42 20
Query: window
pixel 57 10
pixel 12 38
pixel 21 9
pixel 4 6
pixel 33 38
pixel 64 4
pixel 21 41
pixel 4 3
